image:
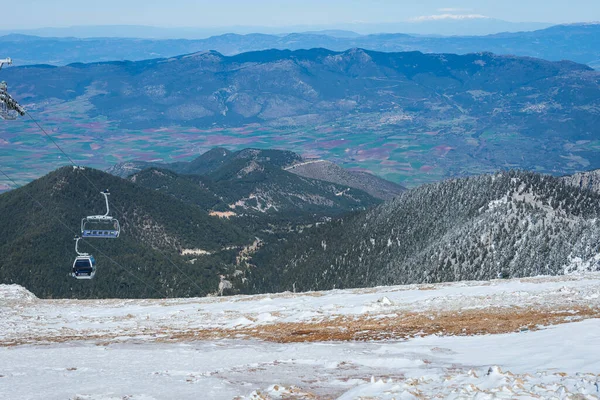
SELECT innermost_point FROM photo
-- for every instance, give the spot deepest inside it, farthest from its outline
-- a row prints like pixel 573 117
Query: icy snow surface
pixel 122 349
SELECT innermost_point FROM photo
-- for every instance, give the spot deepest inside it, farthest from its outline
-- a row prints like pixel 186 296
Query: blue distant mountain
pixel 530 95
pixel 579 43
pixel 471 26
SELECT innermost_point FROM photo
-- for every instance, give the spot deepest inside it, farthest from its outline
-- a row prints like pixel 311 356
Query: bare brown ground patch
pixel 350 328
pixel 464 323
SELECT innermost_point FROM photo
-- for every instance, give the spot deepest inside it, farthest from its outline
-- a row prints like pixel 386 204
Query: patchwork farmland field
pixel 409 157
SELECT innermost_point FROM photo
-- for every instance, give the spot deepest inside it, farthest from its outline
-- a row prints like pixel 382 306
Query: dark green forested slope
pixel 162 214
pixel 252 182
pixel 510 224
pixel 268 202
pixel 192 189
pixel 37 251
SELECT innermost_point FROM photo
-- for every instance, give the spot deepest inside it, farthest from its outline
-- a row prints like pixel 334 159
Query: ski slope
pixel 521 338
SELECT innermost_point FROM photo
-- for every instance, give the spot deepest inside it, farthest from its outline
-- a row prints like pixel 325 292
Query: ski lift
pixel 101 226
pixel 84 266
pixel 9 108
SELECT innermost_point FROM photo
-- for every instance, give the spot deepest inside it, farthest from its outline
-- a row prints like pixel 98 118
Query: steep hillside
pixel 190 189
pixel 509 224
pixel 37 250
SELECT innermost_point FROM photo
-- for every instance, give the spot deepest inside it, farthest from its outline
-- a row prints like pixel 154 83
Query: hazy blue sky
pixel 210 13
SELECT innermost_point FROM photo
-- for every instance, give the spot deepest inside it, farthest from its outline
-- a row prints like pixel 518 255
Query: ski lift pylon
pixel 101 226
pixel 9 108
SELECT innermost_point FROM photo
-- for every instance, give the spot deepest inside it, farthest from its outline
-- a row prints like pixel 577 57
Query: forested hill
pixel 247 171
pixel 509 224
pixel 211 161
pixel 257 190
pixel 250 182
pixel 179 231
pixel 37 248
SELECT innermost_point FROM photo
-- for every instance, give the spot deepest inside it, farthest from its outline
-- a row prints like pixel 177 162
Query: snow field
pixel 557 362
pixel 143 349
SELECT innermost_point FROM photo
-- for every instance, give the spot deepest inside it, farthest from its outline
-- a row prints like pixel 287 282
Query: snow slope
pixel 243 347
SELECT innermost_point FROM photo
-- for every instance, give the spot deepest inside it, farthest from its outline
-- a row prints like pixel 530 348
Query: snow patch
pixel 274 392
pixel 16 292
pixel 195 252
pixel 576 265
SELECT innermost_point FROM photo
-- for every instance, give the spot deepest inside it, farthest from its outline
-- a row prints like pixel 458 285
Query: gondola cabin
pixel 84 267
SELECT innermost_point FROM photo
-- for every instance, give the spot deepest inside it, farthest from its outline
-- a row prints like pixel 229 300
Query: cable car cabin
pixel 84 267
pixel 96 227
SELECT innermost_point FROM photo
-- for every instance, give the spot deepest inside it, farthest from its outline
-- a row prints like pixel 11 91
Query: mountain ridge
pixel 230 92
pixel 482 26
pixel 576 42
pixel 212 160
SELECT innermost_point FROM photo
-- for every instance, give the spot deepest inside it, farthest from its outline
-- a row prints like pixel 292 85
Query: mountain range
pixel 431 92
pixel 180 232
pixel 577 42
pixel 423 26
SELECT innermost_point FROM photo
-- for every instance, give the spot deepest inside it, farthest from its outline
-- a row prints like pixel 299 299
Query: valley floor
pixel 521 338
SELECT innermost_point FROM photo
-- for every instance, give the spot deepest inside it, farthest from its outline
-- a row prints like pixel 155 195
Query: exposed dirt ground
pixel 472 322
pixel 362 328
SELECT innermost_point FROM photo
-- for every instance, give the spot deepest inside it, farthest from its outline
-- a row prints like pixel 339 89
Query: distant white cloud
pixel 454 10
pixel 441 17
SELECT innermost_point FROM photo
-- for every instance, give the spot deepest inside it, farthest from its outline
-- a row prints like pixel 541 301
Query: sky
pixel 211 13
